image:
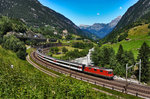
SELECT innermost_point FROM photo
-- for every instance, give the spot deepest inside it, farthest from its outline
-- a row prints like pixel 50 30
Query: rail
pixel 139 92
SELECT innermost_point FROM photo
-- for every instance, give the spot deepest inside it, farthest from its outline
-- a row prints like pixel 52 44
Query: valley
pixel 44 53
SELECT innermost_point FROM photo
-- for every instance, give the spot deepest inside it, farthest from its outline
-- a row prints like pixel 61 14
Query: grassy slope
pixel 32 79
pixel 137 36
pixel 60 50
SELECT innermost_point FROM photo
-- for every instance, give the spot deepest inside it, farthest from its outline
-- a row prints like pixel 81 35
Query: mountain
pixel 101 29
pixel 136 15
pixel 140 10
pixel 33 13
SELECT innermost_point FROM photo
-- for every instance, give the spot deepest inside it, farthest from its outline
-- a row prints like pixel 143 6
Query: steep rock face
pixel 33 13
pixel 101 29
pixel 141 10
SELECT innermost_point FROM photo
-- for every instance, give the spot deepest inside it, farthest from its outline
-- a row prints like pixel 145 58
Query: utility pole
pixel 87 60
pixel 126 72
pixel 140 71
pixel 127 68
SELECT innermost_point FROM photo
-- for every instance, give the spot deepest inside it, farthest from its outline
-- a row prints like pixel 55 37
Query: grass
pixel 137 36
pixel 12 59
pixel 115 93
pixel 29 50
pixel 139 32
pixel 33 74
pixel 69 48
pixel 57 73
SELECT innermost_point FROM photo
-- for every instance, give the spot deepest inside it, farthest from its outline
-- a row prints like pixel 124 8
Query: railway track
pixel 130 88
pixel 40 68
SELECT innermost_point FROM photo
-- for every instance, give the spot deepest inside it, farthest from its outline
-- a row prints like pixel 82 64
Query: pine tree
pixel 144 55
pixel 120 53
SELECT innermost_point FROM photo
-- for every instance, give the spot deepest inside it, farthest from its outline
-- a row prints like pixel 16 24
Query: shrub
pixel 64 50
pixel 149 33
pixel 14 44
pixel 82 45
pixel 54 50
pixel 149 26
pixel 21 54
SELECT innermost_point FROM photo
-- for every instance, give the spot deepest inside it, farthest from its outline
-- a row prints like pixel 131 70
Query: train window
pixel 95 69
pixel 109 72
pixel 101 70
pixel 90 68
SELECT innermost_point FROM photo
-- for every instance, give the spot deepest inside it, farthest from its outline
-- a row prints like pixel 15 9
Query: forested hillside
pixel 35 14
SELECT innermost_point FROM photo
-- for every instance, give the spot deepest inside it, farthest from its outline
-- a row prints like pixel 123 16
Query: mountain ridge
pixel 101 29
pixel 136 15
pixel 33 13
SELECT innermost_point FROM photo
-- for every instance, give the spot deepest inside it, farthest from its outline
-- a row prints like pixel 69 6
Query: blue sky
pixel 89 11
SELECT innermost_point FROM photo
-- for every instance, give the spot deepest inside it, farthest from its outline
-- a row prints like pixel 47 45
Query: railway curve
pixel 130 88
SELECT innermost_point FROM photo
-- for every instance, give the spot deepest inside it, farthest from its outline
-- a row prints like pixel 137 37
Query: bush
pixel 122 37
pixel 14 44
pixel 82 45
pixel 149 26
pixel 54 50
pixel 103 56
pixel 21 54
pixel 1 39
pixel 64 50
pixel 75 54
pixel 69 37
pixel 7 24
pixel 149 33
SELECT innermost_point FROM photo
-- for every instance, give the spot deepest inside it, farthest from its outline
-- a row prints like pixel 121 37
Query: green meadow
pixel 136 37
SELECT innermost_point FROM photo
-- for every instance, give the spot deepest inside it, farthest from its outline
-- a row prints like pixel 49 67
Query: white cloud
pixel 98 13
pixel 120 8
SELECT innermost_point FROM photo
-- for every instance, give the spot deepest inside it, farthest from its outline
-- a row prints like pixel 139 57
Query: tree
pixel 69 37
pixel 144 55
pixel 95 57
pixel 123 58
pixel 123 36
pixel 21 54
pixel 129 58
pixel 149 33
pixel 64 50
pixel 103 56
pixel 119 55
pixel 1 38
pixel 14 44
pixel 54 50
pixel 149 26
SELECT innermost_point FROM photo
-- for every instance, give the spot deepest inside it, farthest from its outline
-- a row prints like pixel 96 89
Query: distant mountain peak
pixel 115 21
pixel 101 29
pixel 82 25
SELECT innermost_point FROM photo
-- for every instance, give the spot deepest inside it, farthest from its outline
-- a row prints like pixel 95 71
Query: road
pixel 85 60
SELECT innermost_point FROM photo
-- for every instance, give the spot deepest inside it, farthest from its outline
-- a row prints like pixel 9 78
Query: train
pixel 97 71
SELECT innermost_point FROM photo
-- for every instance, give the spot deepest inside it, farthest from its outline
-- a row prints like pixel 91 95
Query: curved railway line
pixel 130 88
